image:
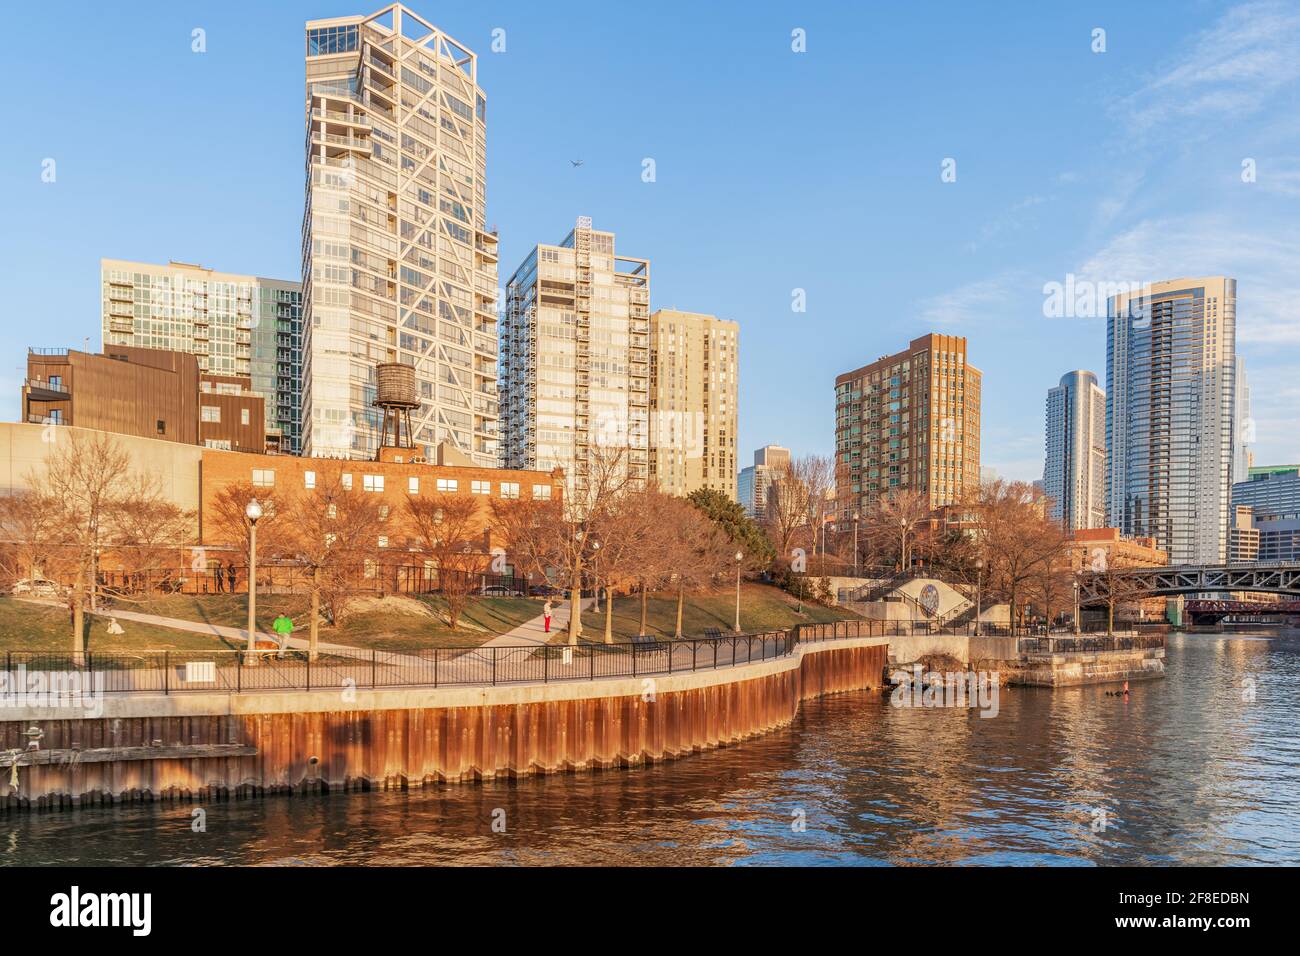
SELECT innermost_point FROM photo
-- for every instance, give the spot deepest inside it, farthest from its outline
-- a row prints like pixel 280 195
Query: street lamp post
pixel 595 570
pixel 253 511
pixel 979 595
pixel 1076 607
pixel 902 558
pixel 740 556
pixel 855 544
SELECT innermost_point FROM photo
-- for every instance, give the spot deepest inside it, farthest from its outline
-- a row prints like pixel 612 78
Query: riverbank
pixel 346 738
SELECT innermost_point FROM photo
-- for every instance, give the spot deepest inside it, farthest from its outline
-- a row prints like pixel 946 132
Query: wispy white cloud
pixel 1018 217
pixel 1230 70
pixel 981 301
pixel 1264 262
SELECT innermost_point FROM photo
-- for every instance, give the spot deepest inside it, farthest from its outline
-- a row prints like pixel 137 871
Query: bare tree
pixel 697 553
pixel 901 521
pixel 555 538
pixel 230 525
pixel 1015 538
pixel 84 478
pixel 789 505
pixel 447 527
pixel 29 532
pixel 334 532
pixel 148 529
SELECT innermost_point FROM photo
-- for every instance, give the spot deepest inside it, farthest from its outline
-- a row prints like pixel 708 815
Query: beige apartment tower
pixel 575 358
pixel 908 421
pixel 694 363
pixel 398 262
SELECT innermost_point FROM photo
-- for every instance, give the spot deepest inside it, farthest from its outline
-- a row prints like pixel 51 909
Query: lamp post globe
pixel 254 511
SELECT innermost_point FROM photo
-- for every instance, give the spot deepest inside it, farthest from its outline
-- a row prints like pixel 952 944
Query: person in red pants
pixel 546 615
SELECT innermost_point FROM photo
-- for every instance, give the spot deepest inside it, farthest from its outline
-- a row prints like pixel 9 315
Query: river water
pixel 1202 767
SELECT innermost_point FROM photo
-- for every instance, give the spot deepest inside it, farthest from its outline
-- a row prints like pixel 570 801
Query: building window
pixel 542 492
pixel 347 482
pixel 309 479
pixel 383 512
pixel 210 413
pixel 332 511
pixel 383 540
pixel 243 416
pixel 509 489
pixel 448 484
pixel 372 482
pixel 412 486
pixel 480 487
pixel 263 478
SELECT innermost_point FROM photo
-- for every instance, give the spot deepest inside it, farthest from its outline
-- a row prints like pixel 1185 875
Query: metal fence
pixel 235 671
pixel 232 671
pixel 1084 644
pixel 293 579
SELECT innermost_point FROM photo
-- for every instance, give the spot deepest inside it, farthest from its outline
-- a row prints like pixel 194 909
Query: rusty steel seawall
pixel 392 739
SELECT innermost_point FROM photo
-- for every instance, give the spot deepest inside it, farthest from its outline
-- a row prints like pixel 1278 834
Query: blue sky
pixel 775 171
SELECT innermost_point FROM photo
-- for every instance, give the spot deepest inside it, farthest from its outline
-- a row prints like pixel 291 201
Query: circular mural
pixel 930 599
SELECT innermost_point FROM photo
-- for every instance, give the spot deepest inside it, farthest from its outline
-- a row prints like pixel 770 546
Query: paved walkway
pixel 534 632
pixel 237 635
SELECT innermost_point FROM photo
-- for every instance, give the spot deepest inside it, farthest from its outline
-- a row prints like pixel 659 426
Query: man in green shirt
pixel 283 627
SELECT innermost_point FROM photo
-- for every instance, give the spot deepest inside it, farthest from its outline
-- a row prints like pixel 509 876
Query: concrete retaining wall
pixel 1100 667
pixel 409 737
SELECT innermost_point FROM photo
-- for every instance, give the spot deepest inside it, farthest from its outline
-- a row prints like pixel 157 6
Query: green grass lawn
pixel 482 620
pixel 762 608
pixel 27 626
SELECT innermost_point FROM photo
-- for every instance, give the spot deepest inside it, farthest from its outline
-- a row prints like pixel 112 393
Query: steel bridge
pixel 1097 587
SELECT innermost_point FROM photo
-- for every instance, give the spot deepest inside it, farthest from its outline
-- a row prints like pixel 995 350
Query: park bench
pixel 646 642
pixel 712 634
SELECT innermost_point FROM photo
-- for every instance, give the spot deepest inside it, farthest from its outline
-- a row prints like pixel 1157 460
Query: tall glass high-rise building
pixel 575 357
pixel 238 325
pixel 398 262
pixel 1170 395
pixel 1074 468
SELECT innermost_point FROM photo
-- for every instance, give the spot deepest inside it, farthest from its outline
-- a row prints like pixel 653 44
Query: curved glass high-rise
pixel 1074 469
pixel 1170 395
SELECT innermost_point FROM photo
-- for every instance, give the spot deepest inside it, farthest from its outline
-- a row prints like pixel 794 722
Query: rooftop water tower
pixel 395 395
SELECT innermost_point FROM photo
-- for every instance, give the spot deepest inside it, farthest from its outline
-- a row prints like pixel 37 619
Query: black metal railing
pixel 1088 643
pixel 233 671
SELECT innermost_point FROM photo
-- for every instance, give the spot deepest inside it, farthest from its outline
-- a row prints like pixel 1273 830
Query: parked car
pixel 38 587
pixel 545 590
pixel 497 590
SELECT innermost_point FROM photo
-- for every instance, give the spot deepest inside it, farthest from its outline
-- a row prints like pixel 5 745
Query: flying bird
pixel 576 162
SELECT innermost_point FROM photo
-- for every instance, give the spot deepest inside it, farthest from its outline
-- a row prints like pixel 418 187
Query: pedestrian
pixel 231 575
pixel 220 574
pixel 283 627
pixel 546 615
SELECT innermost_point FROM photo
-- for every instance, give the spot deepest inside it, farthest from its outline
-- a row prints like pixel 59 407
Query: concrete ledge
pixel 205 704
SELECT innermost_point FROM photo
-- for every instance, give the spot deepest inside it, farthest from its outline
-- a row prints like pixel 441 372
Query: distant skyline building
pixel 1170 396
pixel 575 357
pixel 1243 431
pixel 398 262
pixel 908 421
pixel 1074 466
pixel 755 480
pixel 694 365
pixel 1269 500
pixel 238 326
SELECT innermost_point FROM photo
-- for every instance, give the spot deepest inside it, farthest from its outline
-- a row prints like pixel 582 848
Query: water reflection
pixel 1187 770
